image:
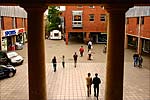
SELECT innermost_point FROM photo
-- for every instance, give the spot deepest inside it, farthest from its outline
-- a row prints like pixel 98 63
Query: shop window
pixel 146 46
pixel 91 17
pixel 102 17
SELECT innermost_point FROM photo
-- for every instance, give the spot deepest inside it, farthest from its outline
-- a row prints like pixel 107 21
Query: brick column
pixel 139 49
pixel 36 52
pixel 115 52
pixel 87 36
pixel 66 37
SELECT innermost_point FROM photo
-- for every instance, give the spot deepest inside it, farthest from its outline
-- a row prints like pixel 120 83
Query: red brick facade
pixel 12 32
pixel 19 22
pixel 87 26
pixel 7 23
pixel 138 33
pixel 132 27
pixel 145 29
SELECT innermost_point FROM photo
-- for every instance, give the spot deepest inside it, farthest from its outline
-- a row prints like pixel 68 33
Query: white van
pixel 55 34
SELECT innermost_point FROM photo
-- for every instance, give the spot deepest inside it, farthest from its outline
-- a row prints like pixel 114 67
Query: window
pixel 102 17
pixel 79 6
pixel 91 17
pixel 91 6
pixel 142 20
pixel 77 17
pixel 56 34
pixel 102 7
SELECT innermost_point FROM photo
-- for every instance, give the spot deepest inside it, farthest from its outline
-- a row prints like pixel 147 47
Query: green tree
pixel 53 18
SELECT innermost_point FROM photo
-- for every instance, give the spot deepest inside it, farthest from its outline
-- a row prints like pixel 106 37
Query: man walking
pixel 81 51
pixel 135 59
pixel 96 82
pixel 88 84
pixel 140 61
pixel 54 63
pixel 75 56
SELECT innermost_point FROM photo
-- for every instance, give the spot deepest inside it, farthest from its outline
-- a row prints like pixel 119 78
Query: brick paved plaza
pixel 69 83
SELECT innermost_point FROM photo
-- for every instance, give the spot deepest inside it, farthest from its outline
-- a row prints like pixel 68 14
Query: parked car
pixel 12 58
pixel 18 46
pixel 7 71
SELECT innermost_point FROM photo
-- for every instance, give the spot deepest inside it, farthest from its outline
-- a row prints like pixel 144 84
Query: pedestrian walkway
pixel 69 83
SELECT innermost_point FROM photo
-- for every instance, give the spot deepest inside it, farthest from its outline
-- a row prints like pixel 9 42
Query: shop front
pixel 11 37
pixel 98 37
pixel 8 40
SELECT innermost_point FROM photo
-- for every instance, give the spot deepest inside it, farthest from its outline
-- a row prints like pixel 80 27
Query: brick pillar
pixel 36 52
pixel 66 36
pixel 87 36
pixel 139 49
pixel 115 52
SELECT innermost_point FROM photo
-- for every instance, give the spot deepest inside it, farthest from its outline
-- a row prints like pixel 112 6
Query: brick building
pixel 85 23
pixel 90 23
pixel 13 26
pixel 138 28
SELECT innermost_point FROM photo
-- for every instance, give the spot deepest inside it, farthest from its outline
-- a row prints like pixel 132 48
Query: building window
pixel 91 17
pixel 146 46
pixel 102 7
pixel 79 6
pixel 142 20
pixel 137 20
pixel 91 7
pixel 77 18
pixel 102 17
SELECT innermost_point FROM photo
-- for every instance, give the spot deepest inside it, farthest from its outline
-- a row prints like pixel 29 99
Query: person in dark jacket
pixel 54 63
pixel 135 59
pixel 75 57
pixel 96 82
pixel 140 61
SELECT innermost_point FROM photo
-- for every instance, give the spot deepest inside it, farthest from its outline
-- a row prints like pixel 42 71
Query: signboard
pixel 10 33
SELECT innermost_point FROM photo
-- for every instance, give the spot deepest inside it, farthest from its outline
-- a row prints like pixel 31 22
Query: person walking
pixel 75 57
pixel 89 55
pixel 140 59
pixel 89 45
pixel 54 63
pixel 135 58
pixel 81 51
pixel 88 84
pixel 63 61
pixel 96 82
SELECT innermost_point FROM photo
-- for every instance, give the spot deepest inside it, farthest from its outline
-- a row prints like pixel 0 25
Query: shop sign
pixel 10 33
pixel 21 30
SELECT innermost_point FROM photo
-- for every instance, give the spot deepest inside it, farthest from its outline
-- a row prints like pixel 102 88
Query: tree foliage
pixel 53 18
